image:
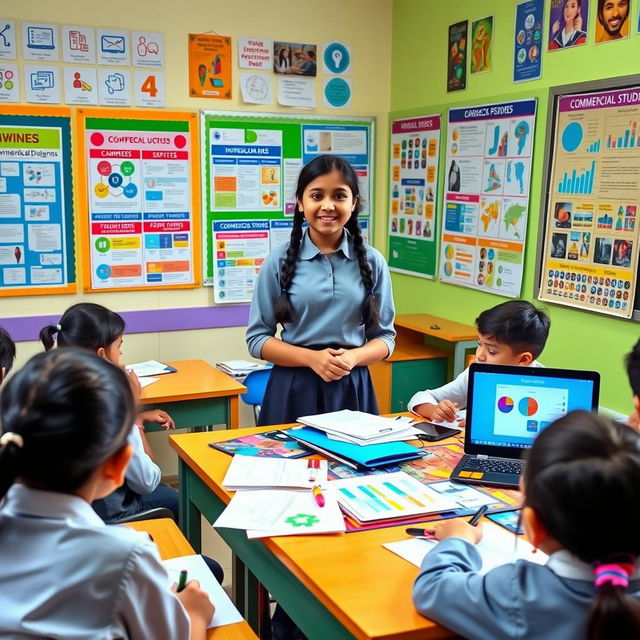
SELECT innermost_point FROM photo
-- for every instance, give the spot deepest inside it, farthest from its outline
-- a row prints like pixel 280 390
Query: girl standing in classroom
pixel 581 486
pixel 331 293
pixel 66 417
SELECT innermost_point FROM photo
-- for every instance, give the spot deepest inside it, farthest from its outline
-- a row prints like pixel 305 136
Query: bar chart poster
pixel 486 196
pixel 413 189
pixel 591 232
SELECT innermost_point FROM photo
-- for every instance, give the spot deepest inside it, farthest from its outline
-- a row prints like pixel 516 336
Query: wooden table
pixel 172 544
pixel 462 336
pixel 335 587
pixel 196 395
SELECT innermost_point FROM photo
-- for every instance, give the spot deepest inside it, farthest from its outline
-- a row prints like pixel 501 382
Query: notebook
pixel 507 407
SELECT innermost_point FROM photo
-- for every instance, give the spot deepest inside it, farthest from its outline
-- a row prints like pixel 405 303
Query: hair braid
pixel 370 310
pixel 283 310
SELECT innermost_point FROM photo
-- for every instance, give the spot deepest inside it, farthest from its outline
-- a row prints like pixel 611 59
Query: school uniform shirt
pixel 518 600
pixel 327 295
pixel 142 477
pixel 456 391
pixel 68 576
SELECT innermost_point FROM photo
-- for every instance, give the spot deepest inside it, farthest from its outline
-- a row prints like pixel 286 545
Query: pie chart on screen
pixel 528 406
pixel 505 404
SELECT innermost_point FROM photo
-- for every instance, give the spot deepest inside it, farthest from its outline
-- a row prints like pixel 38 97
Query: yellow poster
pixel 209 66
pixel 591 242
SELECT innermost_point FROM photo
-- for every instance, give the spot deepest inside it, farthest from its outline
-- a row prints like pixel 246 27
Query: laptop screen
pixel 510 406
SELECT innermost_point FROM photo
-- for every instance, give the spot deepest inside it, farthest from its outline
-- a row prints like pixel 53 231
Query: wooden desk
pixel 196 395
pixel 463 336
pixel 335 587
pixel 172 544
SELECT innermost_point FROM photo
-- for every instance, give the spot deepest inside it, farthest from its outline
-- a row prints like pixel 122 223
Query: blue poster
pixel 527 51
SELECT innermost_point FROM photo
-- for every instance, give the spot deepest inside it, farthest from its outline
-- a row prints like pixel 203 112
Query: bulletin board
pixel 588 258
pixel 250 166
pixel 137 177
pixel 36 201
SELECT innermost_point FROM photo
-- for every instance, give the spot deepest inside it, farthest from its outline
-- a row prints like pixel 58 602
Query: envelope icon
pixel 112 44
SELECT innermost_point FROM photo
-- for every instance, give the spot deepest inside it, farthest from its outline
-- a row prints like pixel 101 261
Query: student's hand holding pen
pixel 445 411
pixel 328 364
pixel 457 528
pixel 197 605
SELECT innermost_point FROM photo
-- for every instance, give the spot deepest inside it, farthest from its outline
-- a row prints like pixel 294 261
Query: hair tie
pixel 58 327
pixel 283 292
pixel 9 436
pixel 370 292
pixel 615 573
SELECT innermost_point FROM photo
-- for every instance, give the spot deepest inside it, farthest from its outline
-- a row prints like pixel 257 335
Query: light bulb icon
pixel 337 58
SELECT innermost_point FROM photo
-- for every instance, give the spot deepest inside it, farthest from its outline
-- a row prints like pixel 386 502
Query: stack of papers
pixel 360 428
pixel 241 368
pixel 282 473
pixel 149 368
pixel 497 547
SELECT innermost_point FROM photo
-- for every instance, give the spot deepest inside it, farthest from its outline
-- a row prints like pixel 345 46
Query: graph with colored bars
pixel 626 141
pixel 579 183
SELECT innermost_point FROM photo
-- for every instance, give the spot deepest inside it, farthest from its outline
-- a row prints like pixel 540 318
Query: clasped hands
pixel 332 364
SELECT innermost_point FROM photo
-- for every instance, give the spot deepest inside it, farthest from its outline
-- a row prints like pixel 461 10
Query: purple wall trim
pixel 151 321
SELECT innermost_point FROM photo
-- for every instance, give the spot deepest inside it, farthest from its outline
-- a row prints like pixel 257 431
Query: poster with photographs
pixel 591 240
pixel 294 58
pixel 568 20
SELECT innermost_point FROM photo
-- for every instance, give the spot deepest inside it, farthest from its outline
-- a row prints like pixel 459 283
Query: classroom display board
pixel 413 189
pixel 486 195
pixel 590 252
pixel 250 167
pixel 138 177
pixel 36 201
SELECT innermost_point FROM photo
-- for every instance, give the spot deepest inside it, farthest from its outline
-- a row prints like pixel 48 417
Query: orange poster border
pixel 84 252
pixel 51 112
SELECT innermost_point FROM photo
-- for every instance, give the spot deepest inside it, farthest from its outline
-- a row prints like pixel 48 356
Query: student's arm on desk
pixel 143 475
pixel 433 404
pixel 198 607
pixel 449 592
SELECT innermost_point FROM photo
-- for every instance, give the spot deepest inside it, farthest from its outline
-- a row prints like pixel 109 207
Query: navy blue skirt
pixel 298 391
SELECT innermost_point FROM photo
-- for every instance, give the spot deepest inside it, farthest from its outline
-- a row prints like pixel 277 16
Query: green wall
pixel 578 339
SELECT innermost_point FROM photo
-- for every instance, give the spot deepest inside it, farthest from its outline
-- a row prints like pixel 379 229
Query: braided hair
pixel 319 166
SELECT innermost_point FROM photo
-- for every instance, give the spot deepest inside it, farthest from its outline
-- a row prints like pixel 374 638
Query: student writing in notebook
pixel 96 328
pixel 581 487
pixel 7 353
pixel 511 333
pixel 66 418
pixel 331 293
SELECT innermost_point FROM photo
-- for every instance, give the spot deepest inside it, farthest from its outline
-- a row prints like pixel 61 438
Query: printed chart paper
pixel 591 242
pixel 415 149
pixel 486 196
pixel 139 197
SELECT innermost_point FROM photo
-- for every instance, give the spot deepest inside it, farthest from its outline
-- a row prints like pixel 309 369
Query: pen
pixel 318 496
pixel 423 533
pixel 182 582
pixel 478 514
pixel 313 466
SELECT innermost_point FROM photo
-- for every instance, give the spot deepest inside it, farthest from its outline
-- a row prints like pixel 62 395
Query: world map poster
pixel 591 233
pixel 486 195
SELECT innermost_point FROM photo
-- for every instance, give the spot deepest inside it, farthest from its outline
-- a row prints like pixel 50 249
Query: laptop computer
pixel 507 407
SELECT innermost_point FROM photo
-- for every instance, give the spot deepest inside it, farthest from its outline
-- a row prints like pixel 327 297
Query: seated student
pixel 7 353
pixel 66 418
pixel 93 327
pixel 512 333
pixel 632 362
pixel 580 469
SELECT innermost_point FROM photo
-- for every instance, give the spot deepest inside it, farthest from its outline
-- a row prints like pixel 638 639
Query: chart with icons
pixel 415 150
pixel 590 251
pixel 486 195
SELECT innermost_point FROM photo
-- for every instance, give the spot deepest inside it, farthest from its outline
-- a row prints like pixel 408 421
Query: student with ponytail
pixel 66 417
pixel 331 294
pixel 581 487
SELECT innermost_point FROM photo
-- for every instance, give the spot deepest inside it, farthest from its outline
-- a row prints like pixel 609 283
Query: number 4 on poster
pixel 150 91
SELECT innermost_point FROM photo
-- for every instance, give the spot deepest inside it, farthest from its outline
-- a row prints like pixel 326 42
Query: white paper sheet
pixel 497 547
pixel 148 368
pixel 250 472
pixel 225 612
pixel 145 382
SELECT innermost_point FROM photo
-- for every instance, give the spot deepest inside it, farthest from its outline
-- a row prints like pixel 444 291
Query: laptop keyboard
pixel 493 465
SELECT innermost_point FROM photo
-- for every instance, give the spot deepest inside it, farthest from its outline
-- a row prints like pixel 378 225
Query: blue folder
pixel 362 457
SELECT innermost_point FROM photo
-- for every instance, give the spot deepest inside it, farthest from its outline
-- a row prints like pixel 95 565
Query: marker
pixel 318 496
pixel 313 466
pixel 478 514
pixel 421 533
pixel 182 582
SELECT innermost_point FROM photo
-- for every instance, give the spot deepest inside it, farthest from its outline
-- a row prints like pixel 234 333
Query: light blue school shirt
pixel 521 600
pixel 65 575
pixel 327 295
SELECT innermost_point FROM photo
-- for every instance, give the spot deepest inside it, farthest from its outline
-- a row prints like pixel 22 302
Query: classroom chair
pixel 256 383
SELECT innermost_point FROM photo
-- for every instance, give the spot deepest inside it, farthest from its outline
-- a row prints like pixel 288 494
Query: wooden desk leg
pixel 459 355
pixel 189 514
pixel 233 413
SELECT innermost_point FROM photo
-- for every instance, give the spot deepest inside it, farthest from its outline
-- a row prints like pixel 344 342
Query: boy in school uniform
pixel 511 333
pixel 7 353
